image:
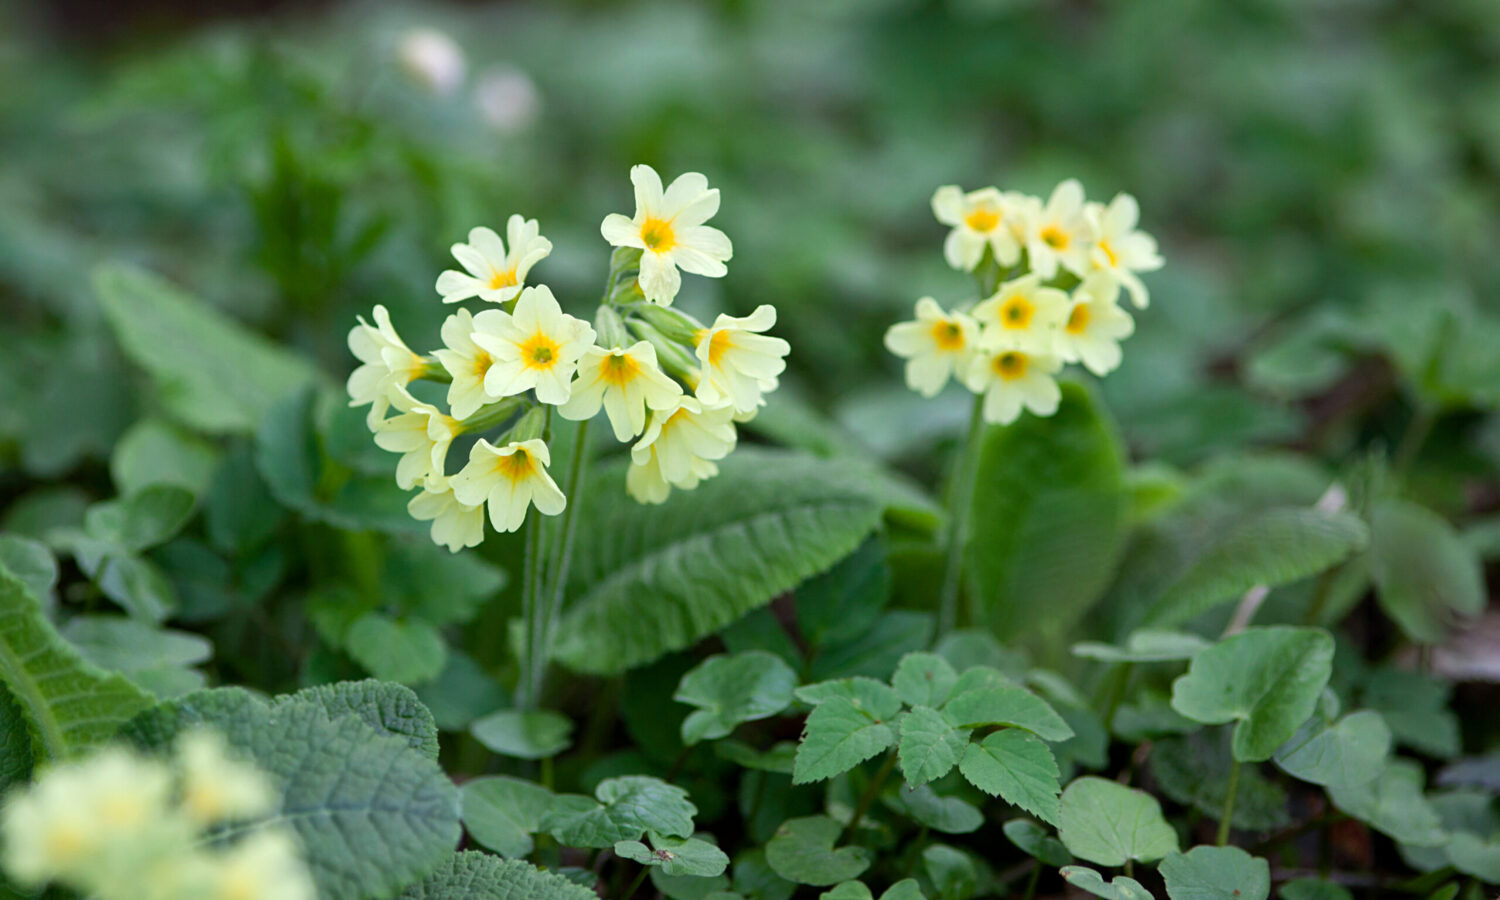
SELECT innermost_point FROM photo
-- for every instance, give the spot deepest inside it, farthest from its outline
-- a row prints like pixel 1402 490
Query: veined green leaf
pixel 924 679
pixel 729 690
pixel 929 746
pixel 1348 753
pixel 1108 823
pixel 471 875
pixel 1017 766
pixel 837 737
pixel 1121 887
pixel 1003 703
pixel 502 812
pixel 676 856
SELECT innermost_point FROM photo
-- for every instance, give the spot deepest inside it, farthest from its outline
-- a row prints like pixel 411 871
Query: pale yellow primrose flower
pixel 678 449
pixel 739 363
pixel 1059 233
pixel 1013 378
pixel 494 274
pixel 982 218
pixel 422 434
pixel 668 228
pixel 625 382
pixel 936 346
pixel 216 786
pixel 264 865
pixel 535 346
pixel 387 362
pixel 510 479
pixel 1022 313
pixel 1095 326
pixel 1120 248
pixel 455 525
pixel 467 362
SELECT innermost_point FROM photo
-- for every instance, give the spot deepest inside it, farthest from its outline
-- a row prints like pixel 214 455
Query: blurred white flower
pixel 1059 232
pixel 678 449
pixel 433 59
pixel 455 525
pixel 386 363
pixel 1095 325
pixel 936 346
pixel 1022 313
pixel 421 433
pixel 507 99
pixel 1013 378
pixel 216 786
pixel 980 219
pixel 1122 249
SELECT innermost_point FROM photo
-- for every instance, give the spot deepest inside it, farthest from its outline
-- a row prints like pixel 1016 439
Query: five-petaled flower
pixel 1022 313
pixel 1058 233
pixel 495 273
pixel 936 346
pixel 679 449
pixel 625 381
pixel 455 525
pixel 739 362
pixel 509 480
pixel 1012 377
pixel 535 347
pixel 980 219
pixel 387 363
pixel 668 229
pixel 1120 248
pixel 1095 325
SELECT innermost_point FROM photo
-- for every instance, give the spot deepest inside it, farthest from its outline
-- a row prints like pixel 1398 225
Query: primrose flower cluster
pixel 669 385
pixel 120 826
pixel 1051 275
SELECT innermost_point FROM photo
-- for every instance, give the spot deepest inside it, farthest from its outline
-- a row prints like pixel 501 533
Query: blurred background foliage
pixel 1321 175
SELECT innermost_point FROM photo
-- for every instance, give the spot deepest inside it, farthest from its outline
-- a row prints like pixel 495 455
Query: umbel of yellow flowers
pixel 1059 266
pixel 120 826
pixel 670 386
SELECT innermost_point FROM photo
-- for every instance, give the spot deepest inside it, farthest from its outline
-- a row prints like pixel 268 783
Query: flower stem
pixel 525 690
pixel 960 501
pixel 1233 788
pixel 1036 875
pixel 873 788
pixel 630 891
pixel 562 559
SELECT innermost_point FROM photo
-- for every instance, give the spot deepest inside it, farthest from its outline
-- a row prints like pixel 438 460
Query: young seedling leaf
pixel 406 652
pixel 868 694
pixel 1348 753
pixel 1121 887
pixel 923 805
pixel 924 679
pixel 1393 804
pixel 502 813
pixel 837 737
pixel 536 734
pixel 676 856
pixel 1037 842
pixel 626 808
pixel 1002 703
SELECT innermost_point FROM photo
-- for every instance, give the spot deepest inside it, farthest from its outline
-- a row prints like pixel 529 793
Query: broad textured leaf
pixel 502 813
pixel 872 696
pixel 650 579
pixel 16 759
pixel 803 851
pixel 211 373
pixel 1193 770
pixel 535 734
pixel 924 679
pixel 1108 823
pixel 1266 679
pixel 676 856
pixel 1425 574
pixel 408 652
pixel 1143 646
pixel 472 875
pixel 1121 887
pixel 1017 767
pixel 1048 520
pixel 69 703
pixel 1275 547
pixel 837 737
pixel 729 690
pixel 1037 842
pixel 388 708
pixel 929 745
pixel 923 805
pixel 1393 805
pixel 372 813
pixel 626 808
pixel 1002 703
pixel 1348 753
pixel 1216 873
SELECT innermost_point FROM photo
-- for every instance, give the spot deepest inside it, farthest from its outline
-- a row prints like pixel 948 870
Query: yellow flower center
pixel 539 352
pixel 982 218
pixel 503 279
pixel 947 335
pixel 718 345
pixel 123 811
pixel 482 363
pixel 1109 253
pixel 618 369
pixel 516 466
pixel 1055 237
pixel 657 235
pixel 64 843
pixel 1010 365
pixel 1017 312
pixel 1078 319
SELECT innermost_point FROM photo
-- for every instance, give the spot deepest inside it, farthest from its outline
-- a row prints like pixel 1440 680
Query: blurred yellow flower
pixel 980 219
pixel 1012 378
pixel 936 346
pixel 1022 313
pixel 386 362
pixel 1095 325
pixel 455 525
pixel 1058 233
pixel 1120 248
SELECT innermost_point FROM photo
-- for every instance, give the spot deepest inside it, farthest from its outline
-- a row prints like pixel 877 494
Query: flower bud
pixel 611 328
pixel 528 427
pixel 674 359
pixel 677 326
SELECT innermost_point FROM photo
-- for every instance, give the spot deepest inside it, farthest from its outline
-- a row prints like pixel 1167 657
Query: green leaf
pixel 676 856
pixel 502 813
pixel 838 736
pixel 950 815
pixel 877 651
pixel 1275 547
pixel 69 703
pixel 462 692
pixel 1144 646
pixel 627 807
pixel 848 890
pixel 388 708
pixel 472 875
pixel 1002 703
pixel 779 758
pixel 754 877
pixel 1414 706
pixel 845 600
pixel 535 734
pixel 650 579
pixel 905 889
pixel 141 520
pixel 1393 805
pixel 371 812
pixel 1348 753
pixel 153 451
pixel 1018 767
pixel 1424 573
pixel 31 562
pixel 1313 889
pixel 802 851
pixel 1048 519
pixel 1216 873
pixel 16 759
pixel 951 871
pixel 1122 887
pixel 145 654
pixel 1108 823
pixel 868 694
pixel 1194 770
pixel 1266 679
pixel 211 373
pixel 1037 843
pixel 407 652
pixel 729 690
pixel 929 746
pixel 1474 855
pixel 924 679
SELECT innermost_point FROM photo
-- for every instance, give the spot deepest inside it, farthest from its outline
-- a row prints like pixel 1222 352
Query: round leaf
pixel 1108 823
pixel 729 690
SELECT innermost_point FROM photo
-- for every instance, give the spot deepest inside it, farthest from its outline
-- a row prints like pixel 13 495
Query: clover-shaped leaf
pixel 802 851
pixel 676 856
pixel 728 690
pixel 626 808
pixel 1108 823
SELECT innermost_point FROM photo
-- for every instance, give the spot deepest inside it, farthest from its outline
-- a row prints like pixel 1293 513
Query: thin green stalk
pixel 563 559
pixel 526 695
pixel 1036 875
pixel 630 891
pixel 1412 440
pixel 872 789
pixel 960 501
pixel 1234 786
pixel 1118 683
